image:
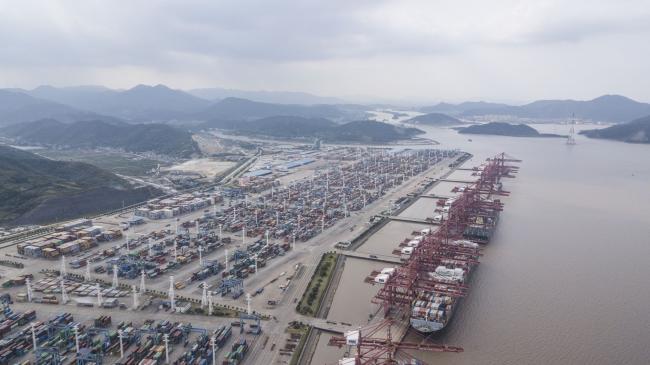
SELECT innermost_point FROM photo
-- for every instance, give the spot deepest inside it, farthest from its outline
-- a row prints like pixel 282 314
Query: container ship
pixel 481 227
pixel 431 311
pixel 437 265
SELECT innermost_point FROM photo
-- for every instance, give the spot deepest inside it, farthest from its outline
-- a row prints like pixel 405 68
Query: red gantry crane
pixel 365 346
pixel 472 217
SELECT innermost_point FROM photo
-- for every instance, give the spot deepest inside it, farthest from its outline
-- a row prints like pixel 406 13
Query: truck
pixel 153 273
pixel 110 303
pixel 75 264
pixel 49 299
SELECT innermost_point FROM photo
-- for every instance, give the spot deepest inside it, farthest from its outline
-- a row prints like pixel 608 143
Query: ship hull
pixel 425 326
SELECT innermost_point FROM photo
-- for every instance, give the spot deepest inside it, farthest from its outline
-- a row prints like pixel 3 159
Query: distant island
pixel 35 190
pixel 636 131
pixel 434 119
pixel 362 131
pixel 504 129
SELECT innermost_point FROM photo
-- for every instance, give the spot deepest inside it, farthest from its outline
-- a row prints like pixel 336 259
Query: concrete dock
pixel 371 257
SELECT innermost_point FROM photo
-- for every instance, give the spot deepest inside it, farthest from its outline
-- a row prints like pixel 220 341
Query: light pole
pixel 226 260
pixel 29 289
pixel 243 234
pixel 63 273
pixel 142 287
pixel 135 297
pixel 33 335
pixel 204 295
pixel 120 335
pixel 115 279
pixel 76 337
pixel 64 294
pixel 209 303
pixel 172 298
pixel 214 357
pixel 166 339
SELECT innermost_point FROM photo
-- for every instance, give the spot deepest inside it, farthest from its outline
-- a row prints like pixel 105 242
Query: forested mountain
pixel 277 97
pixel 153 137
pixel 299 127
pixel 34 189
pixel 243 109
pixel 141 103
pixel 504 129
pixel 434 119
pixel 636 131
pixel 17 107
pixel 606 108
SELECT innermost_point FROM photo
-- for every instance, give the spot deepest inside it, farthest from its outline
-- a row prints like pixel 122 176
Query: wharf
pixel 371 257
pixel 331 327
pixel 431 196
pixel 411 220
pixel 375 328
pixel 398 329
pixel 457 181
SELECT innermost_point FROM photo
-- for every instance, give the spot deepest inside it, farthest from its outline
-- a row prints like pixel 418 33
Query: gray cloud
pixel 317 45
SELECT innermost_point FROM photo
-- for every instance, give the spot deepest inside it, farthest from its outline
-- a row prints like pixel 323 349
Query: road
pixel 307 254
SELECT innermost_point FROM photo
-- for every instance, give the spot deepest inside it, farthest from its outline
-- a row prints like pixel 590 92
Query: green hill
pixel 242 109
pixel 34 189
pixel 154 137
pixel 606 108
pixel 368 131
pixel 434 119
pixel 504 129
pixel 17 107
pixel 636 131
pixel 364 131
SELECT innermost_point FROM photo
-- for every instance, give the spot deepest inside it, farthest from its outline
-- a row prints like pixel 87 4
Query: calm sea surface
pixel 566 278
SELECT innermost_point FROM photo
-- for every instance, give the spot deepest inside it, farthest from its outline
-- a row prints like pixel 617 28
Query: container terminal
pixel 435 265
pixel 192 259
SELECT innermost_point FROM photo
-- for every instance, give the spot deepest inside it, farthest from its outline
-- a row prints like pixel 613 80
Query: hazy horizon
pixel 382 51
pixel 342 99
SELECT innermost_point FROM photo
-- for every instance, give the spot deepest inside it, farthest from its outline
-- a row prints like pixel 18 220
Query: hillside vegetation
pixel 504 129
pixel 364 131
pixel 243 109
pixel 434 119
pixel 154 137
pixel 636 131
pixel 16 107
pixel 34 189
pixel 606 108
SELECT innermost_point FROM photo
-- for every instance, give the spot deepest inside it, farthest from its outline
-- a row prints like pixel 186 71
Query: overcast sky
pixel 397 50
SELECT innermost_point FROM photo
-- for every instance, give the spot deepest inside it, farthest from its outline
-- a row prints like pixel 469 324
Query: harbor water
pixel 565 278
